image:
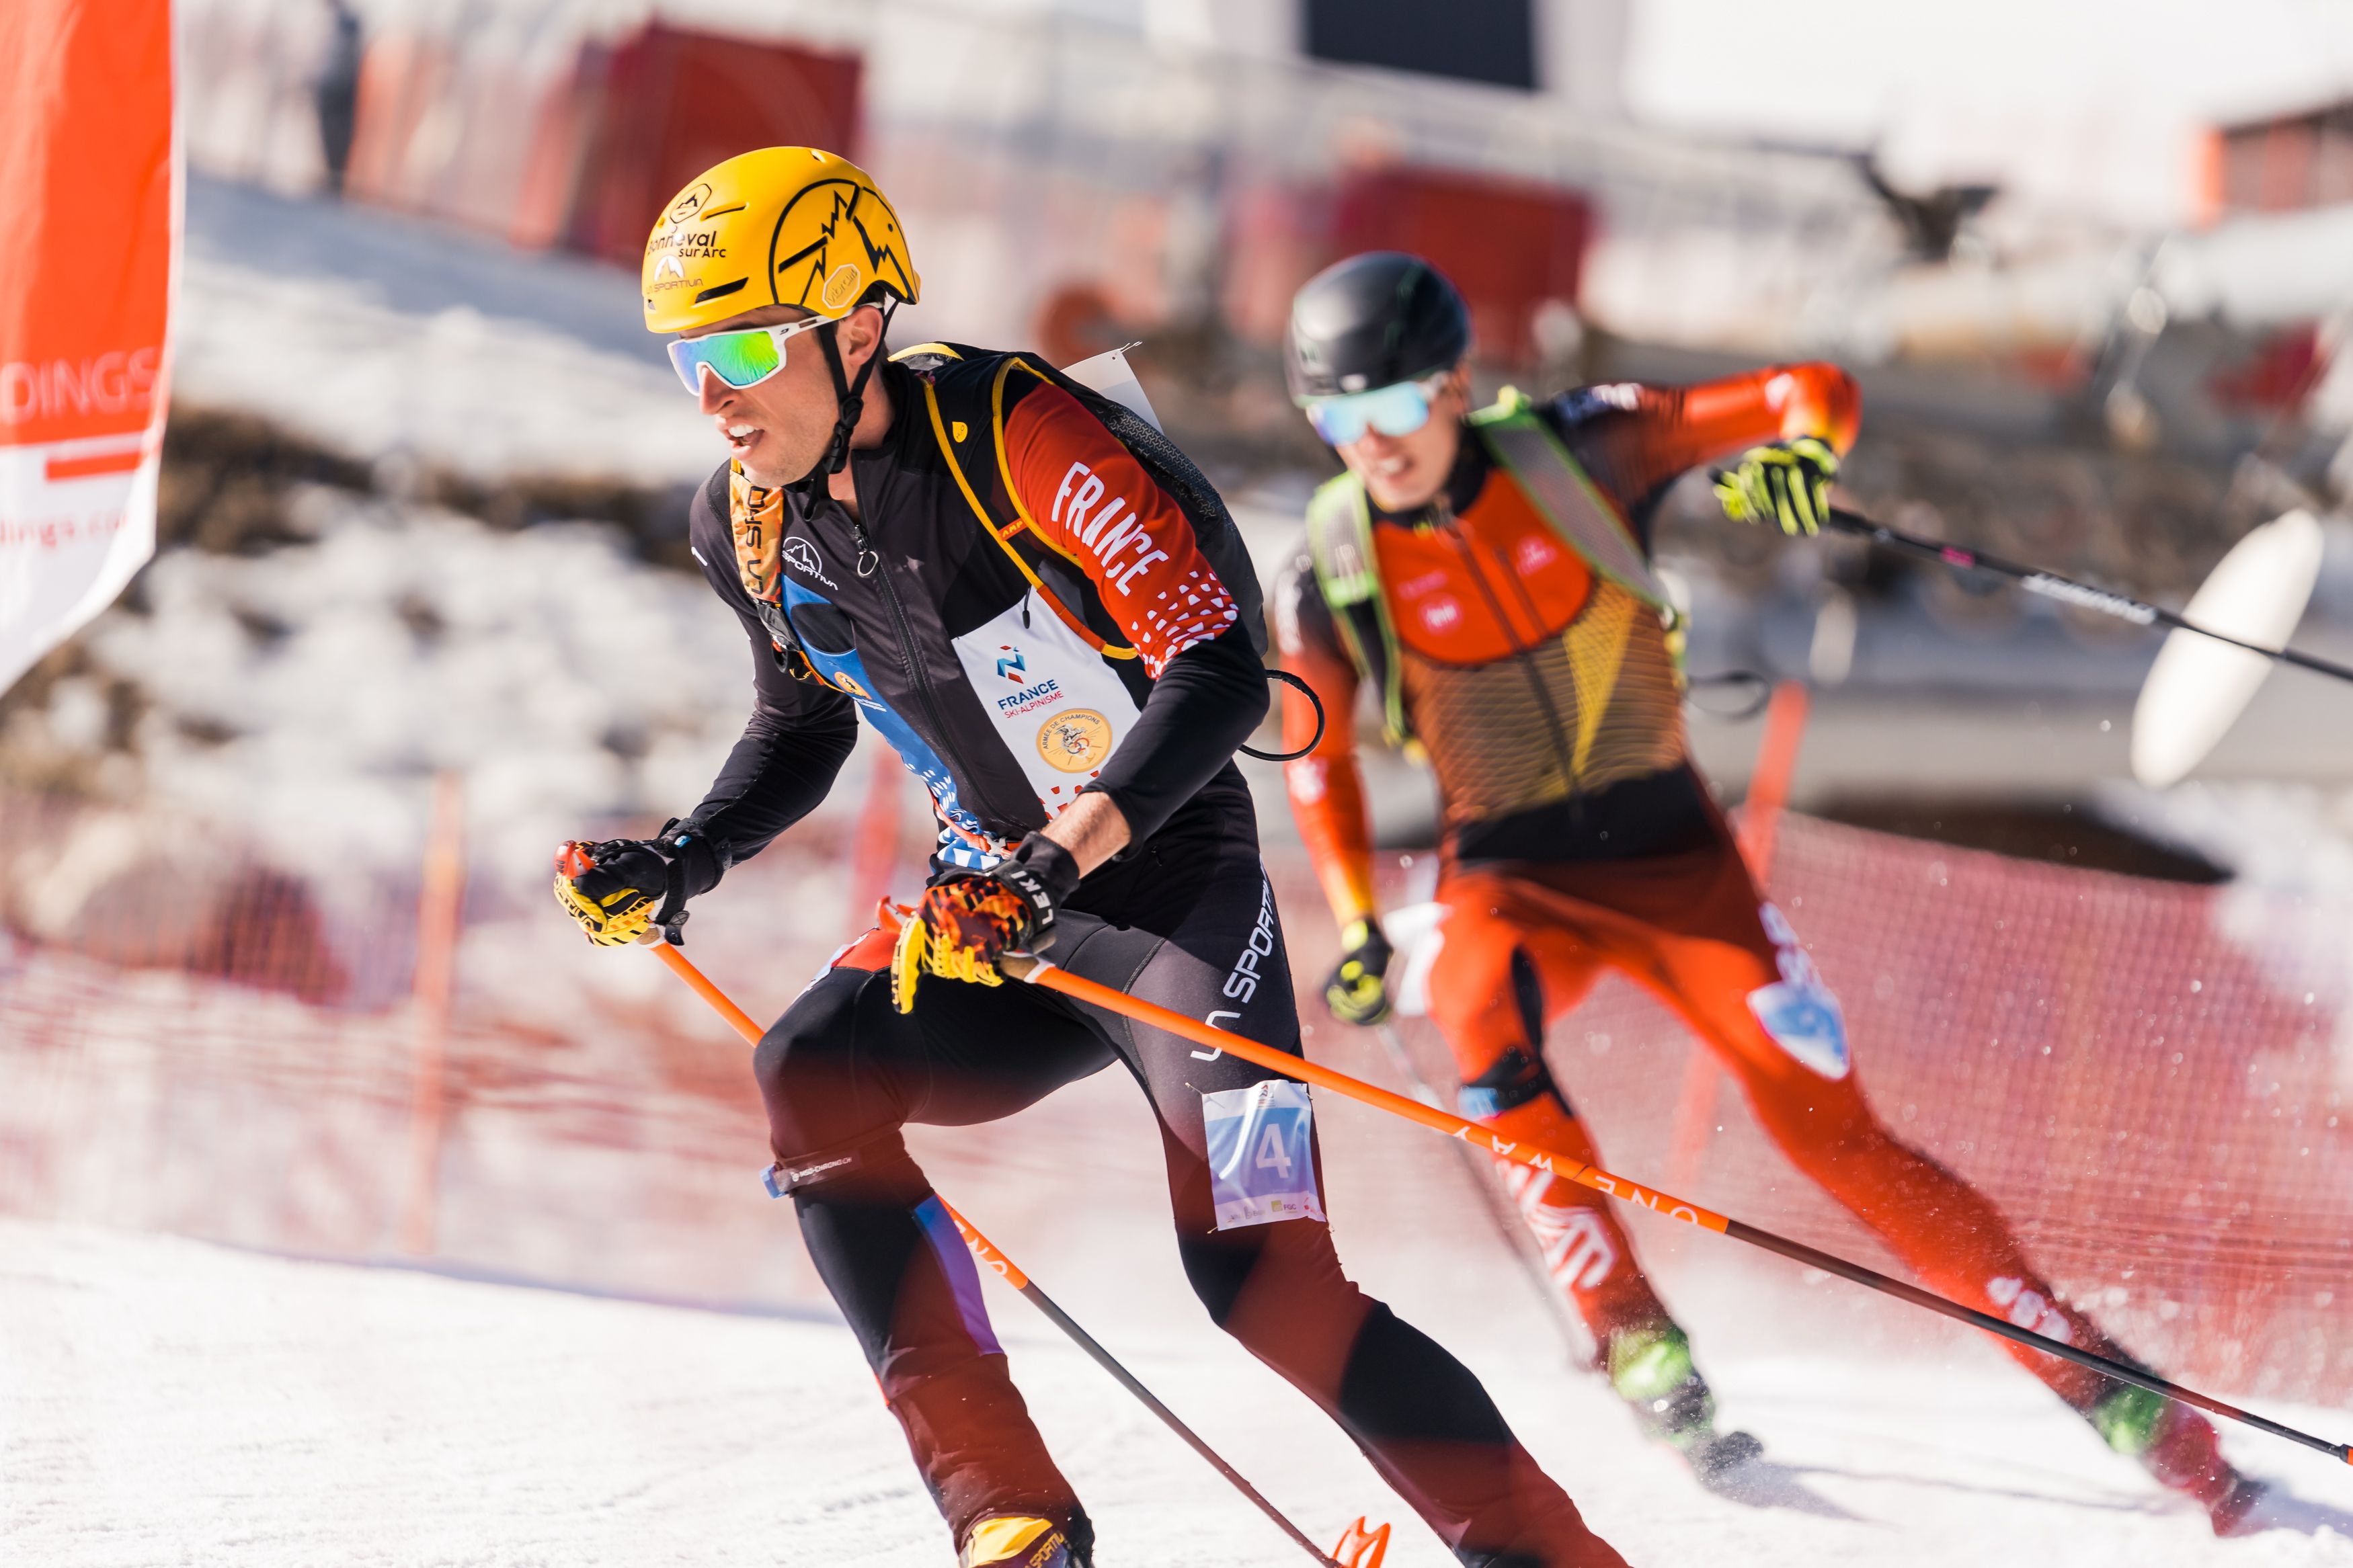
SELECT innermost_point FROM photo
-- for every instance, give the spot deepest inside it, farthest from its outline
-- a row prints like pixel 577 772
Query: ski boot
pixel 1650 1368
pixel 1028 1541
pixel 2179 1447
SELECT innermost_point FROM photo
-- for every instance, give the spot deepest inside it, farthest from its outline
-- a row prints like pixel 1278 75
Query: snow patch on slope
pixel 2291 840
pixel 487 396
pixel 571 682
pixel 165 1400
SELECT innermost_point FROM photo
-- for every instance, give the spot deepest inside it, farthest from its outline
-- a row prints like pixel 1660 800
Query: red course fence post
pixel 874 851
pixel 441 905
pixel 1760 824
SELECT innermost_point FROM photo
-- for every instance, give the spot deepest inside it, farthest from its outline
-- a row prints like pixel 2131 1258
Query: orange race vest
pixel 1524 645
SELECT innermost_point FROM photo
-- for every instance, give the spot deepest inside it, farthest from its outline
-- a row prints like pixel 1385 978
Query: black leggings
pixel 842 1071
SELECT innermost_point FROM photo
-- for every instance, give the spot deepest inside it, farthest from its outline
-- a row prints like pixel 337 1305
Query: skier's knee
pixel 1822 1141
pixel 805 1069
pixel 1217 1273
pixel 782 1055
pixel 1268 1282
pixel 1476 969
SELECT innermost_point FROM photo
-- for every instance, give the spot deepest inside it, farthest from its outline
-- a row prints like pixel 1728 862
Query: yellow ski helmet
pixel 784 225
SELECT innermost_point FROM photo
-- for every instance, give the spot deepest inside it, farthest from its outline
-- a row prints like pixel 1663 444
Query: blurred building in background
pixel 1169 162
pixel 1078 172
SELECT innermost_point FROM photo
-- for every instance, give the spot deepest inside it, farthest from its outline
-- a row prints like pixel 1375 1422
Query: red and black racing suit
pixel 913 616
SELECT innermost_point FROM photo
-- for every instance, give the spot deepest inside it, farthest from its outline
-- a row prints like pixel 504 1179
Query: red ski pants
pixel 1520 947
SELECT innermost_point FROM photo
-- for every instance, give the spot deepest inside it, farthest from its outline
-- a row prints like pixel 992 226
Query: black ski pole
pixel 1005 1269
pixel 986 1250
pixel 1813 1258
pixel 2066 589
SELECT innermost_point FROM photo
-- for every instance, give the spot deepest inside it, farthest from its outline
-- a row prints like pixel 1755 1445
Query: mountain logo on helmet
pixel 829 236
pixel 828 279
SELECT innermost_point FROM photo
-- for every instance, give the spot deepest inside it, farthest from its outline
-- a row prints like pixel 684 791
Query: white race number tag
pixel 1261 1153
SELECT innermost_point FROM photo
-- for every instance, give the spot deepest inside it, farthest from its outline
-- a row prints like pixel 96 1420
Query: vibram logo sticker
pixel 842 287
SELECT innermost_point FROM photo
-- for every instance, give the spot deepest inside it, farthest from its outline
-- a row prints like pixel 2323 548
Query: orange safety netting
pixel 2154 1080
pixel 2151 1078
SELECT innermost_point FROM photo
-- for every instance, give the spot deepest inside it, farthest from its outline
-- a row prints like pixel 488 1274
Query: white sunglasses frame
pixel 780 334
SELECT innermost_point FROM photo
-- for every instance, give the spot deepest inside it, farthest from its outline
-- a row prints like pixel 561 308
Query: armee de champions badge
pixel 1075 742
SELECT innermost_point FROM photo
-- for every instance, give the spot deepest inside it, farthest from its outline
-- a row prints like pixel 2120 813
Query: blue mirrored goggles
pixel 740 358
pixel 1399 409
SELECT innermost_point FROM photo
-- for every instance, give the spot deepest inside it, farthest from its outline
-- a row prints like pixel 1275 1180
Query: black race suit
pixel 1178 918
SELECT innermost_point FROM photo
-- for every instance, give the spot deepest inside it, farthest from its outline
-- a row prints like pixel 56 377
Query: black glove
pixel 965 921
pixel 623 890
pixel 1359 991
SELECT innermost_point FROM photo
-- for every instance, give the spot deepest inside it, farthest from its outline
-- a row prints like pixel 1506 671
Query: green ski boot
pixel 1651 1370
pixel 2179 1447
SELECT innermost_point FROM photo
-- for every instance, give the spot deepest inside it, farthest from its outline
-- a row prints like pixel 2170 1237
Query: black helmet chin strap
pixel 849 397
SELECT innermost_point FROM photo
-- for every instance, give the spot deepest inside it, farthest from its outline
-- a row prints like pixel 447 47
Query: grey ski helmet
pixel 1373 319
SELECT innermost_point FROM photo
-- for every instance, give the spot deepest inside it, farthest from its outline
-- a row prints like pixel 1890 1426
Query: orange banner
pixel 89 206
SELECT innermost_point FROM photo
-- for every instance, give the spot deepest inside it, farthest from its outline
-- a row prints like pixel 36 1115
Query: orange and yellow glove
pixel 618 888
pixel 966 920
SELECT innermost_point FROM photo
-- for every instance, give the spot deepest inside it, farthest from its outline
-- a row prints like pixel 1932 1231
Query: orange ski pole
pixel 1038 972
pixel 1359 1547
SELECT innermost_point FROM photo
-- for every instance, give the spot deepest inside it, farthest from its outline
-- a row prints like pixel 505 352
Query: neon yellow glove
pixel 1788 483
pixel 1358 992
pixel 633 889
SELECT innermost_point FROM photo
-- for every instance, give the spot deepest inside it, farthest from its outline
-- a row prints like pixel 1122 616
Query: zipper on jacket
pixel 916 677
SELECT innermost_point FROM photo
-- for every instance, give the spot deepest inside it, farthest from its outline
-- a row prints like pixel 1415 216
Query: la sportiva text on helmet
pixel 1371 320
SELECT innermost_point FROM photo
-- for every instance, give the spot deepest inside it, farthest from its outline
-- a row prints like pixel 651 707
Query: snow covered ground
pixel 168 1400
pixel 164 1401
pixel 397 340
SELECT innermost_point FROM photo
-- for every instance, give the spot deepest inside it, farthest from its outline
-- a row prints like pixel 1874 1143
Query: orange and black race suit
pixel 1576 837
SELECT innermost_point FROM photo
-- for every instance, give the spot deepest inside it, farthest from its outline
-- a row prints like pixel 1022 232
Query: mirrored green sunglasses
pixel 740 358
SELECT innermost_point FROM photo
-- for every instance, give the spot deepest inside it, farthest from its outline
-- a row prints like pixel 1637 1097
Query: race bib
pixel 1055 704
pixel 1261 1153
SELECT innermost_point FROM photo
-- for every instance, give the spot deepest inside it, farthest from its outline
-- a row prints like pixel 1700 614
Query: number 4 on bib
pixel 1262 1144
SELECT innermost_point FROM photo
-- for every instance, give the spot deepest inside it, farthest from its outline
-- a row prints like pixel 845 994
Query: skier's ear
pixel 860 336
